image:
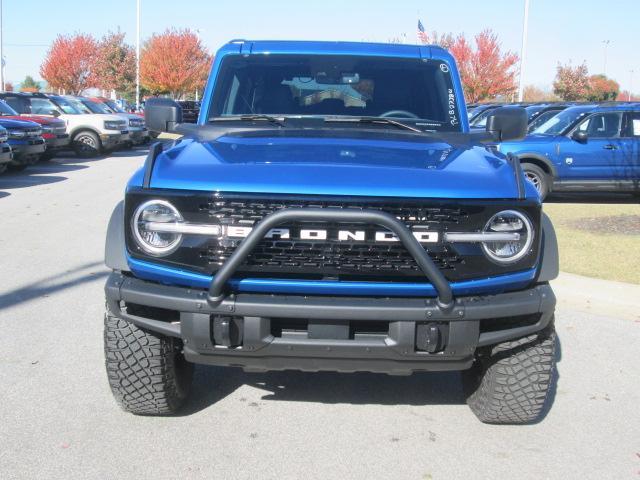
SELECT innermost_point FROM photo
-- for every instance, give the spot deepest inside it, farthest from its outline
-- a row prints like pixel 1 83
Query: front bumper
pixel 111 140
pixel 26 151
pixel 138 136
pixel 58 142
pixel 6 155
pixel 276 332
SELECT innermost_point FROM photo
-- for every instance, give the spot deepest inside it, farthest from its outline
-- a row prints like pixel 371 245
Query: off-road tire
pixel 86 144
pixel 147 372
pixel 538 177
pixel 510 383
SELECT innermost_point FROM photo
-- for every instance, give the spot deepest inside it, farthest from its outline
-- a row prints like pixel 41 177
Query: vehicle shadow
pixel 51 285
pixel 212 384
pixel 12 180
pixel 4 194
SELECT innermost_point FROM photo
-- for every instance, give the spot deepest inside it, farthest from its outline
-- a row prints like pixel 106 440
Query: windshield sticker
pixel 453 119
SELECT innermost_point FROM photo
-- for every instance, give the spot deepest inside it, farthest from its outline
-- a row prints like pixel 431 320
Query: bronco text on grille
pixel 319 251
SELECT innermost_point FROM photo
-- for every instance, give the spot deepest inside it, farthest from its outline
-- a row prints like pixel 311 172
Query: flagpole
pixel 137 55
pixel 523 50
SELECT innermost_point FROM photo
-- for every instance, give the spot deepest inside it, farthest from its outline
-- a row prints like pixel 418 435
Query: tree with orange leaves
pixel 174 62
pixel 115 64
pixel 486 71
pixel 69 62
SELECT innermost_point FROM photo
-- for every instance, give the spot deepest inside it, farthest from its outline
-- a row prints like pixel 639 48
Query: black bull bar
pixel 434 275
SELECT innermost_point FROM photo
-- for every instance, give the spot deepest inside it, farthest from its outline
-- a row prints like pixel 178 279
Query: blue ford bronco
pixel 584 148
pixel 331 210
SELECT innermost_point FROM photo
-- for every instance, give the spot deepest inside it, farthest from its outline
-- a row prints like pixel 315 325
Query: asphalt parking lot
pixel 58 419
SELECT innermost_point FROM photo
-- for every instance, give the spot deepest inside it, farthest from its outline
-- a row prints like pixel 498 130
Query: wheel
pixel 147 372
pixel 86 144
pixel 538 177
pixel 510 384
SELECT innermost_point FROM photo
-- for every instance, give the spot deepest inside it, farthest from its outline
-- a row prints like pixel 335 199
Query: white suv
pixel 90 133
pixel 138 133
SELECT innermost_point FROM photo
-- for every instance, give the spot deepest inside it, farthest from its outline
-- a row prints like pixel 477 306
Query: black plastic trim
pixel 154 150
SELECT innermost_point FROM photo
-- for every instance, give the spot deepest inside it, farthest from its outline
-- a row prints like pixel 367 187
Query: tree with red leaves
pixel 486 71
pixel 114 67
pixel 174 62
pixel 572 83
pixel 602 88
pixel 69 62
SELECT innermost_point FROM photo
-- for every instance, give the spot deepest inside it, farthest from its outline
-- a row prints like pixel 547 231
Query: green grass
pixel 609 254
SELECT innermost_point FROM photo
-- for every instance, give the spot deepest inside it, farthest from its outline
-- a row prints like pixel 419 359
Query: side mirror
pixel 55 113
pixel 580 136
pixel 507 123
pixel 162 114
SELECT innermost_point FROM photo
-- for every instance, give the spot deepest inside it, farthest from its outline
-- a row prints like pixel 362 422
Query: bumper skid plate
pixel 261 332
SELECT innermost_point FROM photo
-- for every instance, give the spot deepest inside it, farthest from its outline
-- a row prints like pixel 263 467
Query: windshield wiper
pixel 381 120
pixel 250 118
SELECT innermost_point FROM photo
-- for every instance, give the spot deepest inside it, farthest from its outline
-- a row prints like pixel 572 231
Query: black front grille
pixel 331 258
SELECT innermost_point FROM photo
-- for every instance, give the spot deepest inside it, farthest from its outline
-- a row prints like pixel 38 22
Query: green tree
pixel 29 85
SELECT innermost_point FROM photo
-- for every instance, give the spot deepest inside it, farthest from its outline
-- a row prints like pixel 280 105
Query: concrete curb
pixel 600 297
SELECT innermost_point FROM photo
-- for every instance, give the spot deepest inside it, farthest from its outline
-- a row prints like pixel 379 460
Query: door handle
pixel 610 147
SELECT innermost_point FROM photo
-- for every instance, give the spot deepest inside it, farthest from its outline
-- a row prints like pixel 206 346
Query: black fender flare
pixel 115 248
pixel 522 156
pixel 550 259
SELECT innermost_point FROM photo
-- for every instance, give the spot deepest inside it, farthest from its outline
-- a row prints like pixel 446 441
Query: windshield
pixel 481 119
pixel 94 106
pixel 559 123
pixel 70 107
pixel 114 106
pixel 415 91
pixel 542 118
pixel 6 109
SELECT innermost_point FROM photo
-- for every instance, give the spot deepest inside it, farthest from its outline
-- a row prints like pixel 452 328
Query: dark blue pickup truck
pixel 584 148
pixel 331 210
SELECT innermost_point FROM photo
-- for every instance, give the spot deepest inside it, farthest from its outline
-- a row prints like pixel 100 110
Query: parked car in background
pixel 480 110
pixel 585 148
pixel 54 130
pixel 540 116
pixel 25 139
pixel 5 150
pixel 138 133
pixel 90 133
pixel 190 110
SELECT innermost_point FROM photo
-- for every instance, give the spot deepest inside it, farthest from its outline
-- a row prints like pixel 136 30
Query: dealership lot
pixel 60 421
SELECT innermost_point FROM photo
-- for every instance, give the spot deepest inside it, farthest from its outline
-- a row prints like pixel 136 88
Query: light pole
pixel 606 44
pixel 1 51
pixel 523 50
pixel 137 55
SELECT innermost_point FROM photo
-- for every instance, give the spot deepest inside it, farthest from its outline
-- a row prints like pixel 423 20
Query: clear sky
pixel 559 30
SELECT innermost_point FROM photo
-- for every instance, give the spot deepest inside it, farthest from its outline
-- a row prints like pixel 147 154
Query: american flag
pixel 422 36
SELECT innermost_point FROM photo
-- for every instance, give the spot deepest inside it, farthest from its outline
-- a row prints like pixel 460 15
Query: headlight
pixel 137 123
pixel 113 125
pixel 150 214
pixel 509 221
pixel 17 134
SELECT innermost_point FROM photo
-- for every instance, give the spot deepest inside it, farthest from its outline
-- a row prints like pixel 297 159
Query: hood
pixel 11 123
pixel 42 120
pixel 327 163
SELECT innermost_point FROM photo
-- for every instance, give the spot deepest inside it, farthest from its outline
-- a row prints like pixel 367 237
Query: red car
pixel 54 130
